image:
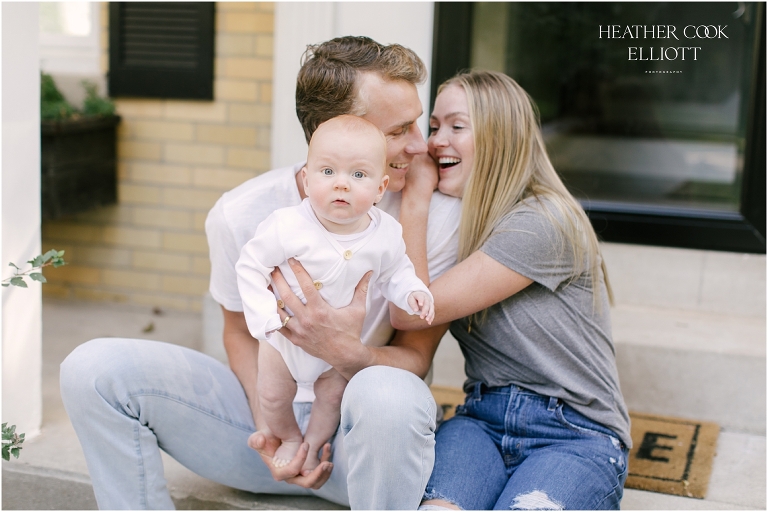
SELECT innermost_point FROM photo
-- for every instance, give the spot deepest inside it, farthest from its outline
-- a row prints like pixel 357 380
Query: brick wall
pixel 175 159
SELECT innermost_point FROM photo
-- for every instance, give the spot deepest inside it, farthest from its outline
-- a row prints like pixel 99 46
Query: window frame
pixel 67 54
pixel 742 231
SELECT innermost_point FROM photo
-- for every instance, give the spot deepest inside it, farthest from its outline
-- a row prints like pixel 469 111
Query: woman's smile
pixel 446 162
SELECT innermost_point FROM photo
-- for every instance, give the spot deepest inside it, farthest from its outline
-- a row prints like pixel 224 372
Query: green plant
pixel 52 257
pixel 55 107
pixel 11 441
pixel 94 104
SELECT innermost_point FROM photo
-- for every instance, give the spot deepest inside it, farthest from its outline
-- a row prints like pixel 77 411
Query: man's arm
pixel 243 355
pixel 333 335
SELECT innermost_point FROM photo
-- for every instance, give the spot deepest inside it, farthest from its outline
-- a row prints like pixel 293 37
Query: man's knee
pixel 97 360
pixel 77 365
pixel 391 397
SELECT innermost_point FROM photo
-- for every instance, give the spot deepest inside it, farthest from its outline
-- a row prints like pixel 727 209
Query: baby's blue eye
pixel 327 171
pixel 358 174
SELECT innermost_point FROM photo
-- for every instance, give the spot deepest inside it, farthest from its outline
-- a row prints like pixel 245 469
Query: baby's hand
pixel 422 304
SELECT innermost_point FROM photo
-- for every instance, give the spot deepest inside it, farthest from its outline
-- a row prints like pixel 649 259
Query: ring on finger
pixel 285 322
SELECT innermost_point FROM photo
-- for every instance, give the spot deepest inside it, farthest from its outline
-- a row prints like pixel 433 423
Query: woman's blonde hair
pixel 510 166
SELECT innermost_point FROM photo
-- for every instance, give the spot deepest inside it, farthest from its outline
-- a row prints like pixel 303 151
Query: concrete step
pixel 41 481
pixel 737 480
pixel 692 364
pixel 675 362
pixel 38 488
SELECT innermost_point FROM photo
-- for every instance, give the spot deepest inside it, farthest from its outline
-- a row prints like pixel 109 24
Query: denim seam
pixel 613 491
pixel 178 399
pixel 599 504
pixel 583 430
pixel 142 474
pixel 423 448
pixel 137 439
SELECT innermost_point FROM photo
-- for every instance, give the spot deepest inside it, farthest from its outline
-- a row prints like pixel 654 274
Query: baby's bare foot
pixel 311 463
pixel 252 441
pixel 286 453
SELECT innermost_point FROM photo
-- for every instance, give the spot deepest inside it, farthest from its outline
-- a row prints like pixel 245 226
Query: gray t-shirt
pixel 549 337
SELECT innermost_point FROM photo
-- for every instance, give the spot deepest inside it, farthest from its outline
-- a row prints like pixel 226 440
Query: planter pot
pixel 79 165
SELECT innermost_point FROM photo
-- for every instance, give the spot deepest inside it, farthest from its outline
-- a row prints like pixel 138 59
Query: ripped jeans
pixel 510 448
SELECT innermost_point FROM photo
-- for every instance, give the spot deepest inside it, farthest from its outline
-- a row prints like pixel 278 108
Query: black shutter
pixel 161 49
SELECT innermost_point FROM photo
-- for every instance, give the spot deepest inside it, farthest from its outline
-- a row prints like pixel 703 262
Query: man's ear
pixel 382 188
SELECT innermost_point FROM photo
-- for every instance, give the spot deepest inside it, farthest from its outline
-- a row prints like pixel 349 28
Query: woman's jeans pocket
pixel 575 421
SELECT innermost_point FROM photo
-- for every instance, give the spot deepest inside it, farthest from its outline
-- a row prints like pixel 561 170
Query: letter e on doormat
pixel 671 455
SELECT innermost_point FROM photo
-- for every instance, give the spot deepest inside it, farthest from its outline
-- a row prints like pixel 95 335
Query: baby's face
pixel 344 177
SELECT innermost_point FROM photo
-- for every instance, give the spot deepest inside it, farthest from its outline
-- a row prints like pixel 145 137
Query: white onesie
pixel 337 262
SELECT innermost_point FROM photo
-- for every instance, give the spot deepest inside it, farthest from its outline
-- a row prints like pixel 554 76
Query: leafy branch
pixel 11 441
pixel 52 257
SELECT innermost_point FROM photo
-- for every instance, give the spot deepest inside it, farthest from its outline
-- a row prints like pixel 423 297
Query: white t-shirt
pixel 233 220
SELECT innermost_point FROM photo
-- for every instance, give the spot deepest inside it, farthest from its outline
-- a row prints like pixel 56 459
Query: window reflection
pixel 661 133
pixel 66 18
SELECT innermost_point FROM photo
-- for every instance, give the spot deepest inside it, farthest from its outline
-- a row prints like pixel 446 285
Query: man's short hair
pixel 325 86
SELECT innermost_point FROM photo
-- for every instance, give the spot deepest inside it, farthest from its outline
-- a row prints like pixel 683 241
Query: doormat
pixel 447 398
pixel 669 455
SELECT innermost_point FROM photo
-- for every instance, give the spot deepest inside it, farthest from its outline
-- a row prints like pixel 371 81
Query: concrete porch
pixel 51 471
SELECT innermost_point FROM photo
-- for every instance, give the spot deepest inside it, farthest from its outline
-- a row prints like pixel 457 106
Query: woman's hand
pixel 267 444
pixel 332 335
pixel 422 177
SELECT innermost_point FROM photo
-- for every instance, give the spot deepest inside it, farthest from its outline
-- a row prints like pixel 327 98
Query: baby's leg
pixel 326 411
pixel 276 392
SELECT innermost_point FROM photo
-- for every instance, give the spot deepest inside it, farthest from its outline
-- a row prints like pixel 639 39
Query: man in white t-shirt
pixel 128 398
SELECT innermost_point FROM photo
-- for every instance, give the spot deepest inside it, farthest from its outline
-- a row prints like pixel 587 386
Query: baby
pixel 338 236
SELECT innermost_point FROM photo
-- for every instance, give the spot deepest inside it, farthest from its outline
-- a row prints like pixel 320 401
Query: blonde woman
pixel 544 425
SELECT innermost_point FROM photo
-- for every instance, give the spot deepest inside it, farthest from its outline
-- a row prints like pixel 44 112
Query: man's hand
pixel 332 335
pixel 266 445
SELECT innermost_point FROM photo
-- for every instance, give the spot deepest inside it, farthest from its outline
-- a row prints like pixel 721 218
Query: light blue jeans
pixel 510 448
pixel 128 399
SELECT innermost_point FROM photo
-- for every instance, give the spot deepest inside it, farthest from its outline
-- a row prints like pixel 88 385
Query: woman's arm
pixel 469 287
pixel 420 182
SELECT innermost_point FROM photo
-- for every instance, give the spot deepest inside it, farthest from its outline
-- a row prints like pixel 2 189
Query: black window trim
pixel 648 224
